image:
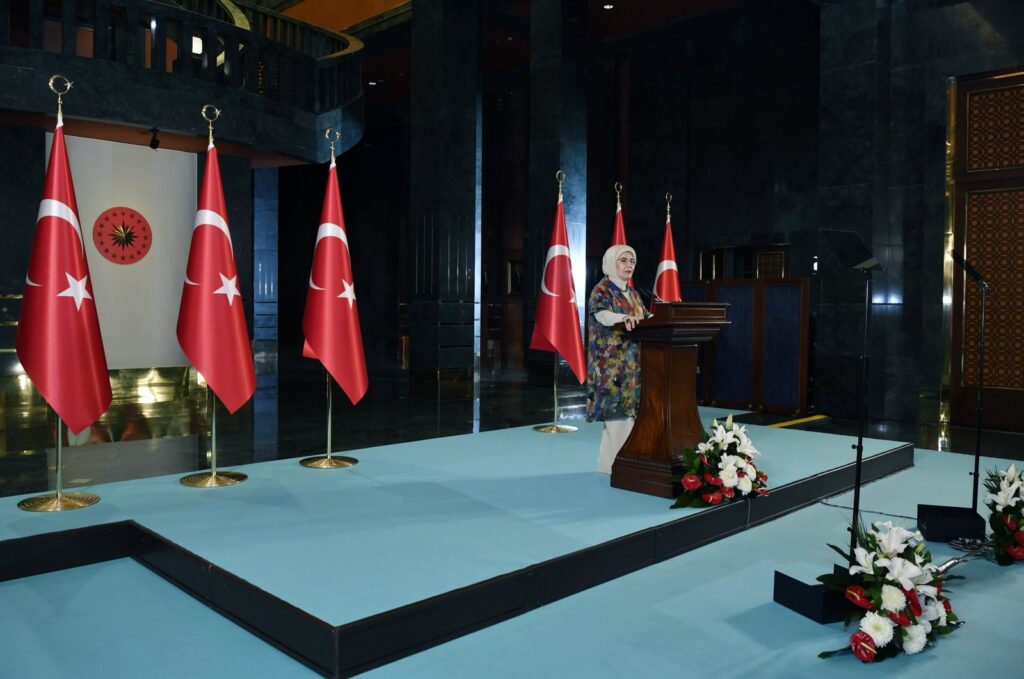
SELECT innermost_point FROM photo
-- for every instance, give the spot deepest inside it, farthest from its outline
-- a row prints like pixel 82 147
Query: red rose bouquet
pixel 1006 502
pixel 720 468
pixel 896 592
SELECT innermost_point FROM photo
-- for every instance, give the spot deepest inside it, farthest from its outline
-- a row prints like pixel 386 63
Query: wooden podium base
pixel 667 422
pixel 646 476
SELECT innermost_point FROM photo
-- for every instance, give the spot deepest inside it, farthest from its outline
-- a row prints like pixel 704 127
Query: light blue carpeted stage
pixel 410 522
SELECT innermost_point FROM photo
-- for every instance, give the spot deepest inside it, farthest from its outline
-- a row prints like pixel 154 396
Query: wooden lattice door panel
pixel 988 229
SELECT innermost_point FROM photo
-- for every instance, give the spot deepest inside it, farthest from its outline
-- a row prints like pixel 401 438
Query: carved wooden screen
pixel 988 229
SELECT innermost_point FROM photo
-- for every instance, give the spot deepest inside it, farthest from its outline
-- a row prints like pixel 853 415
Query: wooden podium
pixel 667 421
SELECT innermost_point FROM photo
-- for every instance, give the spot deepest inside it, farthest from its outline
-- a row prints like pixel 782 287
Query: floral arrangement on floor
pixel 1006 502
pixel 897 594
pixel 720 468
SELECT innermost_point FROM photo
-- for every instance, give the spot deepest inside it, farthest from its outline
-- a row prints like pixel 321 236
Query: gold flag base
pixel 212 479
pixel 58 503
pixel 554 428
pixel 332 462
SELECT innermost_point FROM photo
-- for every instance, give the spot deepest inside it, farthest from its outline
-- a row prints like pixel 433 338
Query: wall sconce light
pixel 154 142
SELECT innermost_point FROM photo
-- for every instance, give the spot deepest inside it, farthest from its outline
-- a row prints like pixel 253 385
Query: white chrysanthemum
pixel 893 600
pixel 729 477
pixel 878 628
pixel 865 561
pixel 745 485
pixel 915 638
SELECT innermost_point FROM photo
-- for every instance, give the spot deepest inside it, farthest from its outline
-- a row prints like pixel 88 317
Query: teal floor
pixel 417 519
pixel 460 510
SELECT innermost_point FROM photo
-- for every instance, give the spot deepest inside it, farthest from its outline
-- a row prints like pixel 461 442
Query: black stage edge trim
pixel 807 491
pixel 49 552
pixel 382 638
pixel 291 630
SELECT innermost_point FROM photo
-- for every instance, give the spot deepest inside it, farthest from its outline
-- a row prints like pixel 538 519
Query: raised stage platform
pixel 420 543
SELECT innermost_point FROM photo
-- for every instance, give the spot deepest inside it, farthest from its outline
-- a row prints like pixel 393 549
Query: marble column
pixel 442 265
pixel 854 195
pixel 558 141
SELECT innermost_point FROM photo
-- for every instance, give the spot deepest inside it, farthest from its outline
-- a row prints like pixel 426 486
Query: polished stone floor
pixel 159 422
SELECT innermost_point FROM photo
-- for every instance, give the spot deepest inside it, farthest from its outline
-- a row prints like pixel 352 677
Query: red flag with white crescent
pixel 619 233
pixel 557 325
pixel 666 280
pixel 211 322
pixel 58 339
pixel 331 321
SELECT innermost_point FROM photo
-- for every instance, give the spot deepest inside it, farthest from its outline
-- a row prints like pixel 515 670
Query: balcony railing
pixel 278 58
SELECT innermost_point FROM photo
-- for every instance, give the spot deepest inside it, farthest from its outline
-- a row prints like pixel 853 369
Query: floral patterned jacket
pixel 613 358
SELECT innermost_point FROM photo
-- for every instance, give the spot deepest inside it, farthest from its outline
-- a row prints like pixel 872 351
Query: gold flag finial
pixel 668 206
pixel 560 178
pixel 618 195
pixel 60 91
pixel 210 117
pixel 332 136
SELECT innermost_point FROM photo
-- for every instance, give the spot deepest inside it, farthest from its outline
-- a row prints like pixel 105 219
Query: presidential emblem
pixel 122 235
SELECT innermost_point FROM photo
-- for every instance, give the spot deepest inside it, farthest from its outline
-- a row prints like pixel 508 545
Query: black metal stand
pixel 814 601
pixel 865 390
pixel 940 523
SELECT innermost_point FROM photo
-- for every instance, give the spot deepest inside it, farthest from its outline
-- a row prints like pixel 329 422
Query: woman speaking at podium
pixel 613 358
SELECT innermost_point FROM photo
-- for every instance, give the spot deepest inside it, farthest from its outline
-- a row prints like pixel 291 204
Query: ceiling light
pixel 609 6
pixel 372 83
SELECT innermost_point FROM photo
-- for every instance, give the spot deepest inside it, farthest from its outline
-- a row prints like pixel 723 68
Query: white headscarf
pixel 611 255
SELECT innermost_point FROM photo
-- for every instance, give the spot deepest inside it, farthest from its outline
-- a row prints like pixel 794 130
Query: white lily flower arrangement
pixel 1005 501
pixel 721 467
pixel 896 592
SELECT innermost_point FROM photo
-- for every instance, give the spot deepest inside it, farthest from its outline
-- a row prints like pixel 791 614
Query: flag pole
pixel 212 478
pixel 59 501
pixel 328 460
pixel 554 427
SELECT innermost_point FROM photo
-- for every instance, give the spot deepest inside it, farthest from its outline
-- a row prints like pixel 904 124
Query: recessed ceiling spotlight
pixel 372 83
pixel 609 5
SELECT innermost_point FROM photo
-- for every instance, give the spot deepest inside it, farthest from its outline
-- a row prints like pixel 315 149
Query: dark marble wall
pixel 558 114
pixel 21 185
pixel 721 111
pixel 445 166
pixel 884 73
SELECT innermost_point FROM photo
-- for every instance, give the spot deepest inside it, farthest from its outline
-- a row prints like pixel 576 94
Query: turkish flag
pixel 666 280
pixel 211 327
pixel 619 233
pixel 331 321
pixel 557 326
pixel 58 339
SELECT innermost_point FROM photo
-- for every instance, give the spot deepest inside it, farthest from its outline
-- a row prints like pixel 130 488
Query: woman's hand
pixel 631 322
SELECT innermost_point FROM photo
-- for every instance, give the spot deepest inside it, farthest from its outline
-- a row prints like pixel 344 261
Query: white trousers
pixel 613 435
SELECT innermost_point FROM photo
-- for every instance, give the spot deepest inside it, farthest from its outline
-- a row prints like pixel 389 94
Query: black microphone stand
pixel 940 523
pixel 865 389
